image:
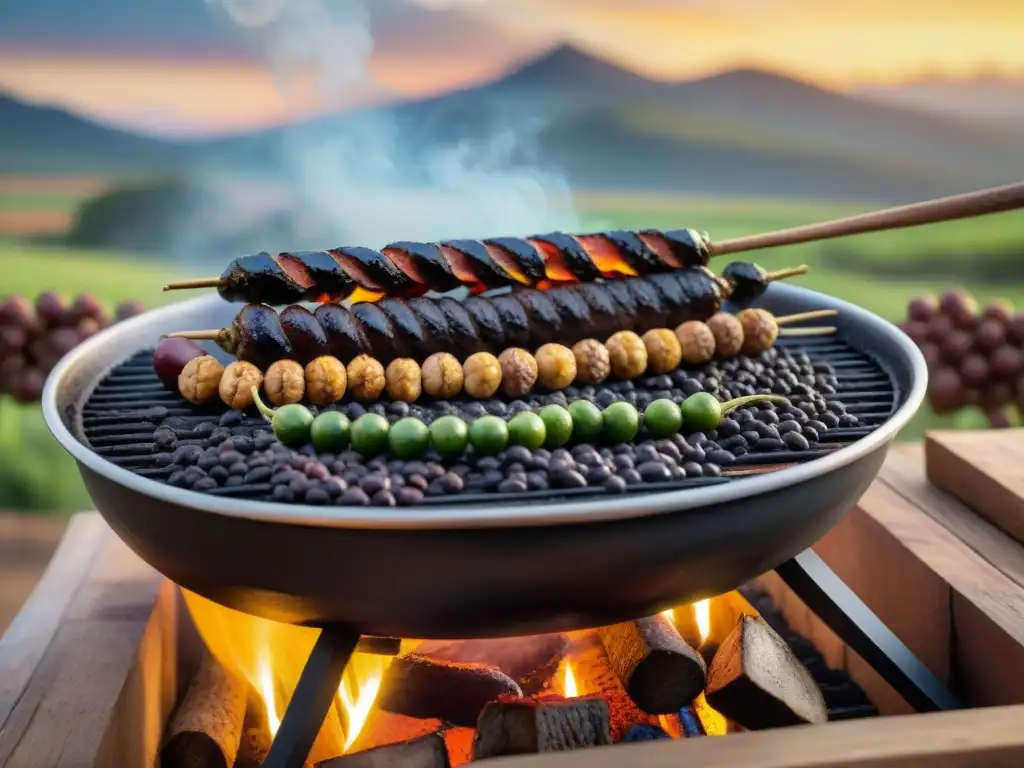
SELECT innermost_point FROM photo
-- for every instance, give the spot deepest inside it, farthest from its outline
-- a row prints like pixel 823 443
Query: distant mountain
pixel 991 98
pixel 742 132
pixel 35 139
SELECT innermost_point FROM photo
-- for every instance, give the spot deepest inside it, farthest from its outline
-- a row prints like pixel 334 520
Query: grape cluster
pixel 34 338
pixel 975 354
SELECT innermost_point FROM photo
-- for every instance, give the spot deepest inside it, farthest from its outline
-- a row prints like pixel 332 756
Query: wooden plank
pixel 104 679
pixel 982 469
pixel 985 737
pixel 26 544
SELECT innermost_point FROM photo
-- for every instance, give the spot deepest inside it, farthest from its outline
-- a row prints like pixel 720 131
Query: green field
pixel 35 474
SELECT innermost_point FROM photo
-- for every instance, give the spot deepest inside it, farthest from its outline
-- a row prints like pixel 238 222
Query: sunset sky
pixel 181 66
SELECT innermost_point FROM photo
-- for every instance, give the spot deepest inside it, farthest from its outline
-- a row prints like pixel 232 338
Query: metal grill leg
pixel 312 699
pixel 857 626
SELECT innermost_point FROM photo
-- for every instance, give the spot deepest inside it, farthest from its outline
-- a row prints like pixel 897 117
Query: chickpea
pixel 697 342
pixel 759 330
pixel 284 382
pixel 199 380
pixel 237 383
pixel 728 333
pixel 663 350
pixel 556 366
pixel 442 375
pixel 592 362
pixel 482 375
pixel 326 380
pixel 403 380
pixel 518 371
pixel 627 354
pixel 365 378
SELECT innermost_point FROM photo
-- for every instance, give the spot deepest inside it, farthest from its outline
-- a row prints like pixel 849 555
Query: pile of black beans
pixel 241 452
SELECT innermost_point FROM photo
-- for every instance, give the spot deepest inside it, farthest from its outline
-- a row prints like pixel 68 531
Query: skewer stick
pixel 201 282
pixel 211 335
pixel 825 330
pixel 981 203
pixel 800 316
pixel 782 274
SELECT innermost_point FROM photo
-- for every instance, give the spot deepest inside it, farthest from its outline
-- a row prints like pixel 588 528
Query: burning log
pixel 382 728
pixel 549 724
pixel 207 728
pixel 595 676
pixel 456 693
pixel 425 752
pixel 256 739
pixel 530 661
pixel 756 681
pixel 659 670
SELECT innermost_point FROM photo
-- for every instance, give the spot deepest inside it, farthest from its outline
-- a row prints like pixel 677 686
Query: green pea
pixel 450 435
pixel 408 438
pixel 621 422
pixel 587 421
pixel 292 423
pixel 527 429
pixel 488 435
pixel 331 431
pixel 701 412
pixel 370 435
pixel 663 418
pixel 557 425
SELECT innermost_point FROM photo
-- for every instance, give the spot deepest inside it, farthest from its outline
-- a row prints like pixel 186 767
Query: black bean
pixel 374 482
pixel 238 468
pixel 263 440
pixel 408 496
pixel 811 434
pixel 654 472
pixel 668 448
pixel 451 483
pixel 383 498
pixel 721 457
pixel 282 493
pixel 227 458
pixel 316 471
pixel 598 474
pixel 768 417
pixel 559 465
pixel 299 485
pixel 712 470
pixel 163 459
pixel 768 430
pixel 231 418
pixel 830 420
pixel 492 478
pixel 512 486
pixel 693 469
pixel 243 444
pixel 234 481
pixel 645 453
pixel 568 478
pixel 788 426
pixel 208 462
pixel 187 454
pixel 769 444
pixel 193 475
pixel 334 487
pixel 354 497
pixel 697 453
pixel 631 476
pixel 165 439
pixel 795 441
pixel 615 484
pixel 316 496
pixel 220 474
pixel 728 427
pixel 691 387
pixel 537 481
pixel 848 420
pixel 517 454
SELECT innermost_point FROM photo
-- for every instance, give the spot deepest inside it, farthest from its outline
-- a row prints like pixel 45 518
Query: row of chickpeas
pixel 625 355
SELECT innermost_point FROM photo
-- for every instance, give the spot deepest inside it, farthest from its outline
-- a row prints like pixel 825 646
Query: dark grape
pixel 939 328
pixel 917 331
pixel 1015 329
pixel 1007 362
pixel 128 309
pixel 922 308
pixel 15 310
pixel 960 307
pixel 974 369
pixel 995 395
pixel 956 347
pixel 932 355
pixel 999 310
pixel 51 311
pixel 86 306
pixel 944 390
pixel 990 334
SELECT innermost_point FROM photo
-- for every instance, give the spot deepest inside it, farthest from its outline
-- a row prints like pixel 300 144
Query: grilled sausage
pixel 405 269
pixel 528 318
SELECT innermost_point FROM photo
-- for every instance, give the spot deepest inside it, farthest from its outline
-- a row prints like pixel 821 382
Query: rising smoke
pixel 373 178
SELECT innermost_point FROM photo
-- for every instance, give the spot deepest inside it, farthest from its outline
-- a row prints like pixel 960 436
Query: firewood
pixel 456 693
pixel 659 670
pixel 530 661
pixel 756 681
pixel 425 752
pixel 534 726
pixel 382 728
pixel 256 739
pixel 207 728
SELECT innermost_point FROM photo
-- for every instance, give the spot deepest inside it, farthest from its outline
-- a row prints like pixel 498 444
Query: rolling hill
pixel 744 131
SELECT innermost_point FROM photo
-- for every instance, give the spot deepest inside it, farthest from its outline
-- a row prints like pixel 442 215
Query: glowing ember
pixel 669 614
pixel 569 687
pixel 266 689
pixel 702 614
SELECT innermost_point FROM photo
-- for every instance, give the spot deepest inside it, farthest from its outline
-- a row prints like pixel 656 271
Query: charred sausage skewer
pixel 395 328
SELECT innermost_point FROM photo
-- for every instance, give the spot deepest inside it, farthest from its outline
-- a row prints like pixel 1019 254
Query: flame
pixel 266 690
pixel 358 692
pixel 569 688
pixel 670 614
pixel 702 614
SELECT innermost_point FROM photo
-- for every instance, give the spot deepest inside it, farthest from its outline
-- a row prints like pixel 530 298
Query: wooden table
pixel 26 544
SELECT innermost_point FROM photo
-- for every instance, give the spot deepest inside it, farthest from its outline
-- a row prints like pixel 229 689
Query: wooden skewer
pixel 825 330
pixel 211 335
pixel 201 282
pixel 981 203
pixel 800 316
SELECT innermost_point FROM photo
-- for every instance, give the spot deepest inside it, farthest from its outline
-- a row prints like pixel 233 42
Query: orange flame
pixel 269 695
pixel 358 692
pixel 569 687
pixel 702 615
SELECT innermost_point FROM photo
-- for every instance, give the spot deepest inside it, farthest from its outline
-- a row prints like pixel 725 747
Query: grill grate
pixel 123 412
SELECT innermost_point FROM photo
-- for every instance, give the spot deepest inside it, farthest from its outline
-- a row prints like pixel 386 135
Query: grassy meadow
pixel 36 475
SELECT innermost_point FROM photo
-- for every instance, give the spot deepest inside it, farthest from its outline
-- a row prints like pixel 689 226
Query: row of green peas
pixel 551 427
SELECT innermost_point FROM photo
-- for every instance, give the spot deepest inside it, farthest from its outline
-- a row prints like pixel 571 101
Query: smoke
pixel 388 174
